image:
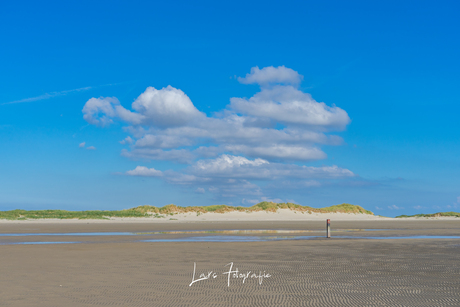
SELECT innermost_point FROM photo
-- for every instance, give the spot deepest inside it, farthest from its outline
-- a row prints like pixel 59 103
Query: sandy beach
pixel 279 215
pixel 349 269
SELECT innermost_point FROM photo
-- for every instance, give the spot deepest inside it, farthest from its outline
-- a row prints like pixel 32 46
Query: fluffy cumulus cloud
pixel 100 111
pixel 145 172
pixel 265 137
pixel 271 75
pixel 168 107
pixel 288 105
pixel 226 166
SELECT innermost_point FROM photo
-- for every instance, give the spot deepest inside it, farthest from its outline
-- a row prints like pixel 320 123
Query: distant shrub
pixel 439 214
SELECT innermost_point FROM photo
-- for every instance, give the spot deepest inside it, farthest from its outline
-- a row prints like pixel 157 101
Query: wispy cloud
pixel 57 94
pixel 49 95
pixel 83 144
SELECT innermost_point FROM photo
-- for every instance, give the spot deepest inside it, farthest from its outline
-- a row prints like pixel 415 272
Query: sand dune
pixel 279 215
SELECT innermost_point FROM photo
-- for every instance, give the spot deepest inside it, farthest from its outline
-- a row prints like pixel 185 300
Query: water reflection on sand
pixel 236 235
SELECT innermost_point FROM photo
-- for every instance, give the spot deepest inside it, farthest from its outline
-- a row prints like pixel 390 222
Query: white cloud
pixel 378 208
pixel 230 176
pixel 127 140
pixel 285 152
pixel 288 144
pixel 394 207
pixel 81 145
pixel 167 119
pixel 163 141
pixel 91 148
pixel 267 75
pixel 258 138
pixel 234 137
pixel 418 207
pixel 145 172
pixel 288 105
pixel 458 200
pixel 221 187
pixel 227 166
pixel 100 111
pixel 166 107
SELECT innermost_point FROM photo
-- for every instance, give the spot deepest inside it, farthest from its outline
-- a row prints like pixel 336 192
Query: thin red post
pixel 328 228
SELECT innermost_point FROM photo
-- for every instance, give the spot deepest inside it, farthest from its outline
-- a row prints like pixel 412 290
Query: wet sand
pixel 119 271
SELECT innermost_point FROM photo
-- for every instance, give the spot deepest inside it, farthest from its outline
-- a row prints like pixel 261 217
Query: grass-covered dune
pixel 145 211
pixel 263 206
pixel 439 214
pixel 19 214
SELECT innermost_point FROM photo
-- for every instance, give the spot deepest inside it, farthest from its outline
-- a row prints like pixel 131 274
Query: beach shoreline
pixel 282 215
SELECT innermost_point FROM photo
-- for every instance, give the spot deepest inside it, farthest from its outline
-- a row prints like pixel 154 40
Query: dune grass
pixel 64 214
pixel 439 214
pixel 263 206
pixel 162 212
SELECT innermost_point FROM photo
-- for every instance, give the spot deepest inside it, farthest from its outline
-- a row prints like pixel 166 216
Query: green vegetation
pixel 270 206
pixel 149 211
pixel 346 208
pixel 63 214
pixel 439 214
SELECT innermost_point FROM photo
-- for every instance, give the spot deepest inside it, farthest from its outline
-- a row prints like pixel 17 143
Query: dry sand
pixel 118 271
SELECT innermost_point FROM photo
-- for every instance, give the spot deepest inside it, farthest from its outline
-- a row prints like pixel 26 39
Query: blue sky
pixel 315 102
